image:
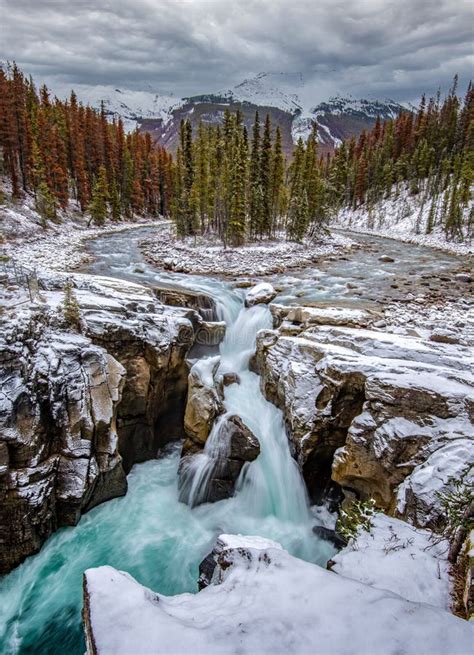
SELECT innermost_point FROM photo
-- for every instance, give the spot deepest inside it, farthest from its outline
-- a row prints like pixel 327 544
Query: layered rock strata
pixel 383 415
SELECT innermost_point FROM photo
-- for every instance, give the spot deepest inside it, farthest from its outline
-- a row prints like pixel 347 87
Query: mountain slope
pixel 287 97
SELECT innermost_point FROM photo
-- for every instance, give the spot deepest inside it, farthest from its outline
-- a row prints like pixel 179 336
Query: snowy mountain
pixel 287 97
pixel 131 106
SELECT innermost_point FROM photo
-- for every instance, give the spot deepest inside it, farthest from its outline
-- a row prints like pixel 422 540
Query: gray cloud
pixel 397 48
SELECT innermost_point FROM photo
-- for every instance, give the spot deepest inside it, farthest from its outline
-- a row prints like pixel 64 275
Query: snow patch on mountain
pixel 131 106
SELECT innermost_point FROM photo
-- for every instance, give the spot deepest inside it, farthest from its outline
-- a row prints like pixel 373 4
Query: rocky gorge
pixel 361 400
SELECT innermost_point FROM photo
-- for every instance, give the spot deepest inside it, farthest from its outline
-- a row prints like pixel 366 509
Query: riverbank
pixel 403 218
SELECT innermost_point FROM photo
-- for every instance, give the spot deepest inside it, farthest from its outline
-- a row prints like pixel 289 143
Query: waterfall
pixel 272 485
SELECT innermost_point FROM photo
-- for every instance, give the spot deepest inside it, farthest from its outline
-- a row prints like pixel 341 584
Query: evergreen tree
pixel 266 226
pixel 71 311
pixel 100 196
pixel 278 199
pixel 45 203
pixel 256 200
pixel 298 212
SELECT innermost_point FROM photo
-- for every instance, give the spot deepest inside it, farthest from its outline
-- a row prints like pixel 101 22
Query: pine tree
pixel 116 205
pixel 238 209
pixel 100 196
pixel 256 200
pixel 71 311
pixel 45 203
pixel 278 199
pixel 298 203
pixel 266 214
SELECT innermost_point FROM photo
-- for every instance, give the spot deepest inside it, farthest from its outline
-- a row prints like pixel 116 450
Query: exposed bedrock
pixel 77 410
pixel 383 415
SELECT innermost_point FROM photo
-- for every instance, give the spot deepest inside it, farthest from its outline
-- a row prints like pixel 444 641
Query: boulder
pixel 260 293
pixel 230 447
pixel 203 404
pixel 386 259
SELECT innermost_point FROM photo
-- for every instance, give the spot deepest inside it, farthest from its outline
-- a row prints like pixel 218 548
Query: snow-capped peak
pixel 269 90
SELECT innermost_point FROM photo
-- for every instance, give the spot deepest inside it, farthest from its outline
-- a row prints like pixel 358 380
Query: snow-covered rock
pixel 306 316
pixel 260 293
pixel 78 409
pixel 372 409
pixel 203 403
pixel 263 600
pixel 397 557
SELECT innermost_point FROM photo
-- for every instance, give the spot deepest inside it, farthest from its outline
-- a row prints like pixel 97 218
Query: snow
pixel 260 293
pixel 403 218
pixel 267 602
pixel 243 541
pixel 207 256
pixel 397 557
pixel 132 106
pixel 454 461
pixel 61 248
pixel 205 370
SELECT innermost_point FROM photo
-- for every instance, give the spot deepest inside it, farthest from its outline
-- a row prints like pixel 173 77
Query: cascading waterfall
pixel 272 485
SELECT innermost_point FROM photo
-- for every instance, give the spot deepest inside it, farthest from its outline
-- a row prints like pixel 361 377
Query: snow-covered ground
pixel 205 256
pixel 59 247
pixel 397 557
pixel 403 218
pixel 263 600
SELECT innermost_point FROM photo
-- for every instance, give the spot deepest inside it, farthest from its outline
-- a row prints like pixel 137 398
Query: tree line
pixel 427 154
pixel 61 151
pixel 230 179
pixel 239 186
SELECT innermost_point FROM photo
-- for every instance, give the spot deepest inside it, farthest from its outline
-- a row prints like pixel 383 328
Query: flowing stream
pixel 149 533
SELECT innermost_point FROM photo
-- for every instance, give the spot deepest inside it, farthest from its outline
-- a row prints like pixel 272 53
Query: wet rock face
pixel 380 414
pixel 242 446
pixel 234 444
pixel 59 453
pixel 77 410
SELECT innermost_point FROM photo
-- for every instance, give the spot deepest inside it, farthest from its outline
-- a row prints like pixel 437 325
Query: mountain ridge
pixel 286 96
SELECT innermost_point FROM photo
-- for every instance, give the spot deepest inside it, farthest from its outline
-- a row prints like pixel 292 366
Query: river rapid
pixel 149 533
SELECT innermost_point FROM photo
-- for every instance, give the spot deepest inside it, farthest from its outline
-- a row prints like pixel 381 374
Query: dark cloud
pixel 369 47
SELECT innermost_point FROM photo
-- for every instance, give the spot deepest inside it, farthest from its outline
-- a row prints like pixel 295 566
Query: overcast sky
pixel 384 48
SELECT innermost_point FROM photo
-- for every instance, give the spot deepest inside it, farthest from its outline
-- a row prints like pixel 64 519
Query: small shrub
pixel 71 309
pixel 357 514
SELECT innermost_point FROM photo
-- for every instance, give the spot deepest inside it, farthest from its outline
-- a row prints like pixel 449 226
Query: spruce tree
pixel 256 200
pixel 238 208
pixel 298 202
pixel 277 181
pixel 266 215
pixel 45 203
pixel 100 196
pixel 71 311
